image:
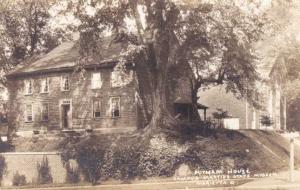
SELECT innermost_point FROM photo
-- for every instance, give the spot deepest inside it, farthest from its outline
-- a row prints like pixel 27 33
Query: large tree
pixel 25 31
pixel 210 42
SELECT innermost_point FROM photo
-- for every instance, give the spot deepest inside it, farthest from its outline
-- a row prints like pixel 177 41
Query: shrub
pixel 89 155
pixel 44 172
pixel 18 180
pixel 3 167
pixel 266 120
pixel 159 159
pixel 73 175
pixel 126 160
pixel 6 146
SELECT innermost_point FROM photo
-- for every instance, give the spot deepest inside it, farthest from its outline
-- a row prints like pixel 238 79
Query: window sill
pixel 105 117
pixel 28 122
pixel 98 118
pixel 28 94
pixel 95 88
pixel 115 117
pixel 44 93
pixel 65 90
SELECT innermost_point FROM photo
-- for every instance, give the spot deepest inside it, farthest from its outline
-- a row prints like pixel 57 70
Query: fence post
pixel 292 153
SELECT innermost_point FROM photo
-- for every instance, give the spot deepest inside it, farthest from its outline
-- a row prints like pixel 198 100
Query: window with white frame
pixel 65 83
pixel 96 80
pixel 45 85
pixel 97 108
pixel 45 112
pixel 28 87
pixel 115 107
pixel 28 113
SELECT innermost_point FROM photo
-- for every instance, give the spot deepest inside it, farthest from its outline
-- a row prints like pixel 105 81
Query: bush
pixel 73 175
pixel 18 180
pixel 89 155
pixel 266 120
pixel 6 147
pixel 160 158
pixel 44 172
pixel 126 161
pixel 105 157
pixel 3 167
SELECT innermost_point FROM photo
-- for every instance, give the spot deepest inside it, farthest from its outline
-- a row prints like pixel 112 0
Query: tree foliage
pixel 209 42
pixel 25 31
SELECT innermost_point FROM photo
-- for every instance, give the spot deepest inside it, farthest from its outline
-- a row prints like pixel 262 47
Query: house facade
pixel 49 94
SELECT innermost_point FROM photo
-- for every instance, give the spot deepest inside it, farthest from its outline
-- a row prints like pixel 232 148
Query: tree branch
pixel 137 18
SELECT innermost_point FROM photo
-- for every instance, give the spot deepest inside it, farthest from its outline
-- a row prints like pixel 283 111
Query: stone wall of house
pixel 26 164
pixel 81 96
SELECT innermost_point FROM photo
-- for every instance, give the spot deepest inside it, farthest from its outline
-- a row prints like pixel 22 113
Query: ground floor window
pixel 45 112
pixel 28 113
pixel 97 108
pixel 115 106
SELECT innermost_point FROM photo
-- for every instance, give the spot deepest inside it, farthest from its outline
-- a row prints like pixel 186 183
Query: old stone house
pixel 49 95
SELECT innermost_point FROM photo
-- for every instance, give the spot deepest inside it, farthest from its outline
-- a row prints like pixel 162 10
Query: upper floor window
pixel 65 83
pixel 121 78
pixel 97 108
pixel 28 86
pixel 45 85
pixel 45 112
pixel 28 113
pixel 115 106
pixel 96 80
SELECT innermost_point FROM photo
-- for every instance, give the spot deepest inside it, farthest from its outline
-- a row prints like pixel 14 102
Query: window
pixel 65 83
pixel 115 107
pixel 45 112
pixel 28 113
pixel 28 86
pixel 45 85
pixel 121 78
pixel 96 80
pixel 97 108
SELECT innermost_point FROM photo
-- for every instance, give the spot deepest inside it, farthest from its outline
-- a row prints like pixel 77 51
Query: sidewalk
pixel 281 181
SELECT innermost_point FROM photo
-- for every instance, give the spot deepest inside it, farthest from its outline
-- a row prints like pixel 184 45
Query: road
pixel 280 181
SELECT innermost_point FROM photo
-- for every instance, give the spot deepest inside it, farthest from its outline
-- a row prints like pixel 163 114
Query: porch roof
pixel 201 106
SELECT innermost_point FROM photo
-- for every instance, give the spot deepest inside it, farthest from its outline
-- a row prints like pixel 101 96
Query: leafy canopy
pixel 214 38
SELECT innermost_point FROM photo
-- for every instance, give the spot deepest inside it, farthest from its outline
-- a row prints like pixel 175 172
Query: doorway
pixel 66 114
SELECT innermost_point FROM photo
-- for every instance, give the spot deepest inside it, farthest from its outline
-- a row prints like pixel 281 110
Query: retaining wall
pixel 26 163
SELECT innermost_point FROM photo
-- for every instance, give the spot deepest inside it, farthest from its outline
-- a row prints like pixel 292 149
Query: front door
pixel 65 114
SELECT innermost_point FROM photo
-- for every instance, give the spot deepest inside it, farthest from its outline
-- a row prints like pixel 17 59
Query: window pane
pixel 96 80
pixel 28 113
pixel 97 108
pixel 65 83
pixel 115 107
pixel 45 112
pixel 28 87
pixel 44 85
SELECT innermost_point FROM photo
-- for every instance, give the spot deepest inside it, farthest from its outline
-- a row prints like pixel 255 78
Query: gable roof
pixel 65 56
